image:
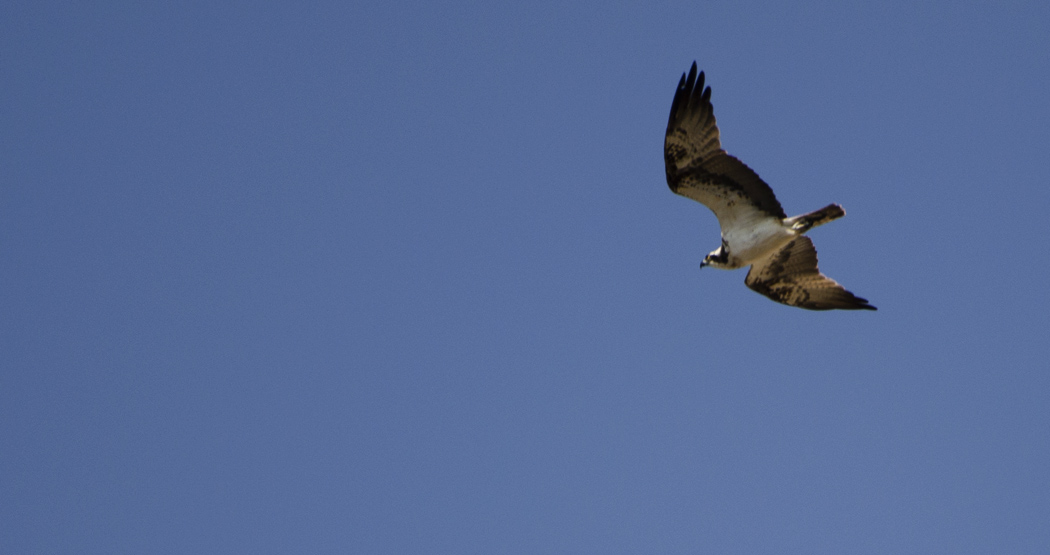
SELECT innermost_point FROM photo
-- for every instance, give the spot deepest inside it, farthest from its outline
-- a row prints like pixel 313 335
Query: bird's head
pixel 717 258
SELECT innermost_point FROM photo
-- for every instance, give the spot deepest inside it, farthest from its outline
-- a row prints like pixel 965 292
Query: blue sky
pixel 407 278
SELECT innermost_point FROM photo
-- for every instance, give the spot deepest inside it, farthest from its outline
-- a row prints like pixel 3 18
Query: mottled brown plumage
pixel 791 276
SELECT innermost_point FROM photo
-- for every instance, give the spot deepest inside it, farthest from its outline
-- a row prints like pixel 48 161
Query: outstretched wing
pixel 698 168
pixel 791 276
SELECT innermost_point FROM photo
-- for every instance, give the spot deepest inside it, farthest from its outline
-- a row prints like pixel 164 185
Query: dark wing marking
pixel 696 165
pixel 790 276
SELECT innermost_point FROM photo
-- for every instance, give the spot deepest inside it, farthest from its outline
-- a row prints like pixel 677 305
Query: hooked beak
pixel 703 263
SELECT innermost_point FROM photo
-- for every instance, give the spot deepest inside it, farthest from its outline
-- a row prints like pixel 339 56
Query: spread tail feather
pixel 806 222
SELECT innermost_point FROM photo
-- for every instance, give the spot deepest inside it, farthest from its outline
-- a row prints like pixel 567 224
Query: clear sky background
pixel 396 277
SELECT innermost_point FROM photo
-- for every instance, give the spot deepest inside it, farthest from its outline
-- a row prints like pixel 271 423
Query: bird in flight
pixel 755 230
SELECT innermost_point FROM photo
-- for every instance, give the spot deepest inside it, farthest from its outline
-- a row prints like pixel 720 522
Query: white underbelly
pixel 749 243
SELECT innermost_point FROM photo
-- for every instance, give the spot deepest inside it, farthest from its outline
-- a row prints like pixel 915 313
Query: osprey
pixel 755 230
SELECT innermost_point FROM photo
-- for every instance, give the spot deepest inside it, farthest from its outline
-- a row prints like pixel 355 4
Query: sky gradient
pixel 407 278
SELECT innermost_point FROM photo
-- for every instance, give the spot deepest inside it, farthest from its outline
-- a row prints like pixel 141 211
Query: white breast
pixel 751 240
